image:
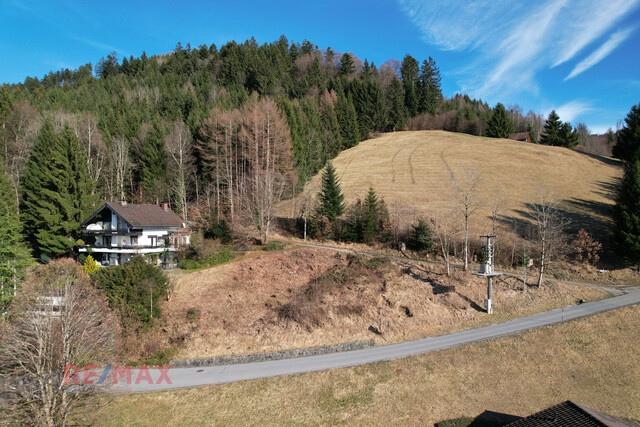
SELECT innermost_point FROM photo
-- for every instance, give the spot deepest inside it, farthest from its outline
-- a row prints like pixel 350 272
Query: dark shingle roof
pixel 571 414
pixel 140 215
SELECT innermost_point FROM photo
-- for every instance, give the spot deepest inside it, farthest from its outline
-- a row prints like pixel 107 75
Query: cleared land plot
pixel 312 297
pixel 412 171
pixel 593 361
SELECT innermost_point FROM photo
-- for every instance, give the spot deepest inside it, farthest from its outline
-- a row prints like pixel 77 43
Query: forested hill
pixel 141 119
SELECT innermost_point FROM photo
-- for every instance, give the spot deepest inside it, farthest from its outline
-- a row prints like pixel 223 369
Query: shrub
pixel 219 230
pixel 274 245
pixel 135 289
pixel 586 249
pixel 208 257
pixel 90 266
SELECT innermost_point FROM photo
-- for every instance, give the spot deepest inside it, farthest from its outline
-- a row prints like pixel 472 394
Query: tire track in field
pixel 413 178
pixel 346 168
pixel 445 160
pixel 393 168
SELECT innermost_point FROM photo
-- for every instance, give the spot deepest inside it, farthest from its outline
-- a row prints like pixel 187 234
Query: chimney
pixel 123 203
pixel 165 206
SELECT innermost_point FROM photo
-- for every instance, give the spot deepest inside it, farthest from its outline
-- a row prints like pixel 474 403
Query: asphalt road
pixel 193 377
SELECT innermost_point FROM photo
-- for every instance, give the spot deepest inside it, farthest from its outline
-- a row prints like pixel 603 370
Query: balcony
pixel 126 249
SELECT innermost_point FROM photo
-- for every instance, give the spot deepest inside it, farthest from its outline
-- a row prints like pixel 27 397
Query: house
pixel 522 136
pixel 118 231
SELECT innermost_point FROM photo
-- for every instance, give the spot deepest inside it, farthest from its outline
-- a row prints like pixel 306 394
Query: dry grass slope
pixel 312 297
pixel 412 170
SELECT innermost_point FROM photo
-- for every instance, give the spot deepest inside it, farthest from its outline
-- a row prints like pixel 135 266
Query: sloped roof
pixel 522 136
pixel 571 414
pixel 142 215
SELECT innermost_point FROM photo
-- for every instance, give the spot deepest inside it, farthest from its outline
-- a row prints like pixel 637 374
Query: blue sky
pixel 581 58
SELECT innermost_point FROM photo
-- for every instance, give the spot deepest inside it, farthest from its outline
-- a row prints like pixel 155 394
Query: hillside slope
pixel 412 171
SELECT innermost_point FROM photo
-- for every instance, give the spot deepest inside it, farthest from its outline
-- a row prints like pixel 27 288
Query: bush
pixel 90 266
pixel 586 249
pixel 219 230
pixel 274 245
pixel 133 289
pixel 207 258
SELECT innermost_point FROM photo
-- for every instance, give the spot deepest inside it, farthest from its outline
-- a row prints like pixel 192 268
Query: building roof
pixel 142 215
pixel 522 136
pixel 571 414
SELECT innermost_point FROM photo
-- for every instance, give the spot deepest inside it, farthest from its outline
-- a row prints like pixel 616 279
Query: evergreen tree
pixel 330 197
pixel 57 192
pixel 395 106
pixel 153 163
pixel 552 134
pixel 375 218
pixel 430 94
pixel 367 222
pixel 628 141
pixel 348 121
pixel 421 236
pixel 570 137
pixel 500 125
pixel 409 72
pixel 627 211
pixel 14 256
pixel 347 66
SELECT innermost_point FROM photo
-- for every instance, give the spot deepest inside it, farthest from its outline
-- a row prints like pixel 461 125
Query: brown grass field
pixel 592 361
pixel 412 171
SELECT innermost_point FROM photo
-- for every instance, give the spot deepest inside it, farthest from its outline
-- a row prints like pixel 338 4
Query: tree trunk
pixel 542 254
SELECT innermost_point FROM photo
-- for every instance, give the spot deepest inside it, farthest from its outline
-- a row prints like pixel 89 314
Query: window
pixel 134 240
pixel 154 240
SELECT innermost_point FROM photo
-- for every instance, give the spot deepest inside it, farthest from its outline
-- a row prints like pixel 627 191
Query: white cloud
pixel 601 53
pixel 509 42
pixel 569 111
pixel 585 23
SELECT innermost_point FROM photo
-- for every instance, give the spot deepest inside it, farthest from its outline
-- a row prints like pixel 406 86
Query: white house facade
pixel 118 231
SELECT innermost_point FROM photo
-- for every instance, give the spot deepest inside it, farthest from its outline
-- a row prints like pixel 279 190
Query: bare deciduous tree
pixel 268 145
pixel 468 203
pixel 445 231
pixel 179 146
pixel 58 320
pixel 120 167
pixel 19 135
pixel 547 229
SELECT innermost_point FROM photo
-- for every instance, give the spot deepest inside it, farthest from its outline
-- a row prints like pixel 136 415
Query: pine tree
pixel 348 121
pixel 500 125
pixel 56 192
pixel 330 197
pixel 421 236
pixel 569 136
pixel 395 106
pixel 628 143
pixel 347 67
pixel 627 211
pixel 552 134
pixel 153 163
pixel 14 256
pixel 430 94
pixel 409 72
